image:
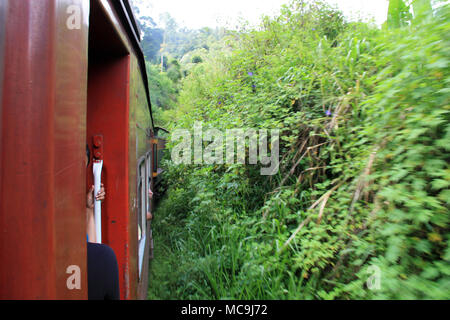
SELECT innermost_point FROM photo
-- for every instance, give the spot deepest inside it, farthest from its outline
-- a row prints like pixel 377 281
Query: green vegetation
pixel 364 175
pixel 171 52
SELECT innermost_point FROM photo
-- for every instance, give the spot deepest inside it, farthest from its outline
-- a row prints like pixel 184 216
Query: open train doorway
pixel 108 116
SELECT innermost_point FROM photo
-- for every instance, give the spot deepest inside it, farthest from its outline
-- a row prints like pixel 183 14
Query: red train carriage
pixel 70 70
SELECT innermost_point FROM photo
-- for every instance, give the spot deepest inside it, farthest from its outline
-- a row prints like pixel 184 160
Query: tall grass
pixel 364 173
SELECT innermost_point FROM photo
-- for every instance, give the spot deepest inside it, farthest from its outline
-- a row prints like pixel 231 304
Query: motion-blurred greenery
pixel 364 174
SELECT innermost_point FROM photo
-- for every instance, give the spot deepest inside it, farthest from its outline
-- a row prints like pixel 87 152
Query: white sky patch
pixel 195 14
pixel 364 9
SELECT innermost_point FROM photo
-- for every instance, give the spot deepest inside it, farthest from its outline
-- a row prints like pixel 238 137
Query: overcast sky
pixel 196 14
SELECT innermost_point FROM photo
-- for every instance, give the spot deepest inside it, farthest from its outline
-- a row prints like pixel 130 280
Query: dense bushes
pixel 363 184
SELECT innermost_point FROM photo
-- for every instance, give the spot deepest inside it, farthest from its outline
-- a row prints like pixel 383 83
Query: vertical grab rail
pixel 97 171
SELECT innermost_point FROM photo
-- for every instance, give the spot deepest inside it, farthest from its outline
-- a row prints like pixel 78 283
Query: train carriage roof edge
pixel 126 15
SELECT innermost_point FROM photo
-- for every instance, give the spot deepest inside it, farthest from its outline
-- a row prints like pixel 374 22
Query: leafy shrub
pixel 364 176
pixel 197 59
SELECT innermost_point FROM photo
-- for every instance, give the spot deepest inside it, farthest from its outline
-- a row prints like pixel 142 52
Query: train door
pixel 108 115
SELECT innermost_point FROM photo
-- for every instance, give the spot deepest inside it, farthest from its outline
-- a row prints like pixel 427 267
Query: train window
pixel 155 157
pixel 142 211
pixel 139 194
pixel 149 178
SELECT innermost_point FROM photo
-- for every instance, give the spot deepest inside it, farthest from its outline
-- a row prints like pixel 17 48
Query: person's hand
pixel 90 196
pixel 150 193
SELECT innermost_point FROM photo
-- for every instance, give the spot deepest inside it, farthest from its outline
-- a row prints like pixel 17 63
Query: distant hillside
pixel 175 40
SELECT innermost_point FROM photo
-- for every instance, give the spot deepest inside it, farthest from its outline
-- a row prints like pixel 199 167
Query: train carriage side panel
pixel 118 109
pixel 42 138
pixel 46 98
pixel 140 125
pixel 140 121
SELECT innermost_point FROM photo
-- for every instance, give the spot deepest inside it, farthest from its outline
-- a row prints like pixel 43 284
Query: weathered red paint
pixel 108 114
pixel 51 105
pixel 43 112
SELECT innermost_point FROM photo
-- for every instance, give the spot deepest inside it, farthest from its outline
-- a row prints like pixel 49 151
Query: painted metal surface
pixel 108 115
pixel 43 132
pixel 140 128
pixel 52 103
pixel 116 104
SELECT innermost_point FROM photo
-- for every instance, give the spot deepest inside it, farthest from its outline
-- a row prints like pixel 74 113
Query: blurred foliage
pixel 163 88
pixel 364 174
pixel 170 51
pixel 398 14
